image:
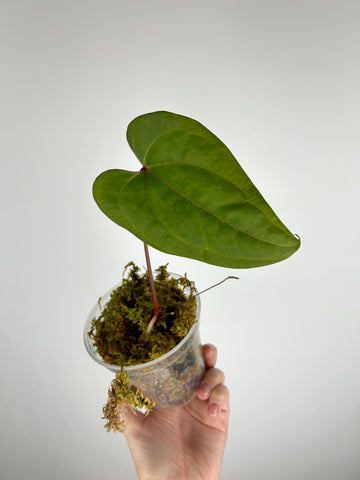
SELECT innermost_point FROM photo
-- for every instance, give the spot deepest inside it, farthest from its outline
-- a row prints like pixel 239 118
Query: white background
pixel 278 83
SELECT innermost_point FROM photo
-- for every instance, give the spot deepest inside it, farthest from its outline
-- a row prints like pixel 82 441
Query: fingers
pixel 214 392
pixel 212 378
pixel 218 401
pixel 210 355
pixel 212 388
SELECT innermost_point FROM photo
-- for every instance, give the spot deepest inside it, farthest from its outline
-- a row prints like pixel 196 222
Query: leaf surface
pixel 192 198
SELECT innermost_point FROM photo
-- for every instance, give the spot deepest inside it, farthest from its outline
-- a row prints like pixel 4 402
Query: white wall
pixel 278 82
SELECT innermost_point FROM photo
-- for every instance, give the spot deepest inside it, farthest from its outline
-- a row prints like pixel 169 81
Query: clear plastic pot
pixel 170 380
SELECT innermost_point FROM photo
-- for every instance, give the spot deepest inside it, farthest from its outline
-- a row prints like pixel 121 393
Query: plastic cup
pixel 170 380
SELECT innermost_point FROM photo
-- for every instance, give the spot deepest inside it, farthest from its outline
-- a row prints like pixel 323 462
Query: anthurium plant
pixel 191 198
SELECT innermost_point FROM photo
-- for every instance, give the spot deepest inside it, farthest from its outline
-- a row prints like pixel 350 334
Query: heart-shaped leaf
pixel 191 197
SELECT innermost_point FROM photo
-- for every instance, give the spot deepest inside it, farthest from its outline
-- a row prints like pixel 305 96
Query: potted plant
pixel 190 198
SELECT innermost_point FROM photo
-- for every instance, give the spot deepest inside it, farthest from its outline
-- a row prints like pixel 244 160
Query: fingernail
pixel 204 390
pixel 213 409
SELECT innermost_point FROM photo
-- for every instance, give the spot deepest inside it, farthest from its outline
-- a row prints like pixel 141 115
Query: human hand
pixel 184 442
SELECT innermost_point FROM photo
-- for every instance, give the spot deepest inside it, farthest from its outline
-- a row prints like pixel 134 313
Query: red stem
pixel 157 309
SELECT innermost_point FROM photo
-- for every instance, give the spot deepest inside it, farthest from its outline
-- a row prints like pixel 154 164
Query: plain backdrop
pixel 278 83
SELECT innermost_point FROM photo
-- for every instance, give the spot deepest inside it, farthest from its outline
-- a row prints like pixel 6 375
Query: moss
pixel 120 334
pixel 121 338
pixel 121 393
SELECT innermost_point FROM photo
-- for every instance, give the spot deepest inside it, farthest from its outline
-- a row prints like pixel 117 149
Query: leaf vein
pixel 213 214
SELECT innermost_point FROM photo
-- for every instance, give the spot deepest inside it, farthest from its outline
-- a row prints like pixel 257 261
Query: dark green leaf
pixel 192 198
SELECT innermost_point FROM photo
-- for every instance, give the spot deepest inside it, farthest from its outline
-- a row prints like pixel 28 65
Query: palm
pixel 178 443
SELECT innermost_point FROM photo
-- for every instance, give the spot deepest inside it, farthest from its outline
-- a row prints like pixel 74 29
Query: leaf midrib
pixel 172 234
pixel 244 193
pixel 208 211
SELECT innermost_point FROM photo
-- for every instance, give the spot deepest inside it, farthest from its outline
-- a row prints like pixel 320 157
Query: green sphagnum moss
pixel 121 393
pixel 120 332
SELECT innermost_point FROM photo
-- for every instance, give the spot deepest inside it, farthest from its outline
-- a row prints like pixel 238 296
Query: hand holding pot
pixel 184 442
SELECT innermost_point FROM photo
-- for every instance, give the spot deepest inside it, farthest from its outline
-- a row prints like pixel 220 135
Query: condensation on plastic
pixel 170 380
